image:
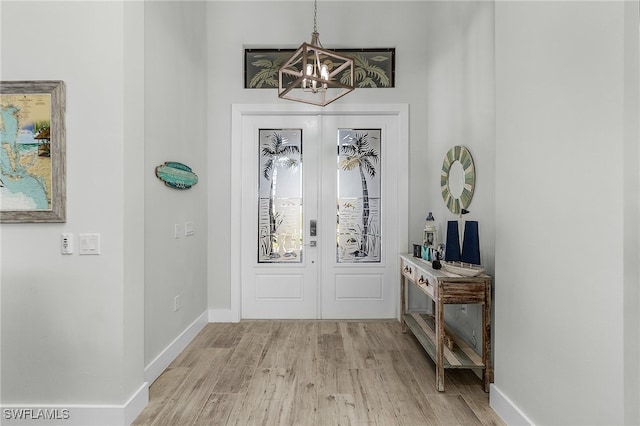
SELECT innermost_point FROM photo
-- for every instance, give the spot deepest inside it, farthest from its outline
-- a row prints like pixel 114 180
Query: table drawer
pixel 408 270
pixel 425 282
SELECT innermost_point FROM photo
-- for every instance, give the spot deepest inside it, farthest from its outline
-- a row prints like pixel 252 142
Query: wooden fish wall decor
pixel 176 175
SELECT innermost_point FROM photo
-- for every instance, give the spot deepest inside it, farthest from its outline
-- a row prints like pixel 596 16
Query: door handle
pixel 313 225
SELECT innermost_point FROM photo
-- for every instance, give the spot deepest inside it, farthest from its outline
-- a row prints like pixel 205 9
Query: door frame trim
pixel 239 111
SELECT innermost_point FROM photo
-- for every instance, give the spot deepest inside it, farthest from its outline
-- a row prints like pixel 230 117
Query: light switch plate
pixel 89 244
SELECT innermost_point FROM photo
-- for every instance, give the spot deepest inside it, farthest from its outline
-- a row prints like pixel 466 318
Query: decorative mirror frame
pixel 461 154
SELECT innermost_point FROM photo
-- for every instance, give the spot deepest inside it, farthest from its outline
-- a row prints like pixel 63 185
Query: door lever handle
pixel 313 225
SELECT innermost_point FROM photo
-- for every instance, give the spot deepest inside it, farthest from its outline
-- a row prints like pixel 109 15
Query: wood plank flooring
pixel 311 373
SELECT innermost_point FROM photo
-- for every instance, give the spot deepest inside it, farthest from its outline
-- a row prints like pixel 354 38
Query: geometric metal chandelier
pixel 315 75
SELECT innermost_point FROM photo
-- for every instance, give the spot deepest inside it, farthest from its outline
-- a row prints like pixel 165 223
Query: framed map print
pixel 32 151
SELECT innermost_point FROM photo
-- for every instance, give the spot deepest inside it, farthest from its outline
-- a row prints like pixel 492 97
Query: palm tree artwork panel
pixel 373 68
pixel 358 203
pixel 280 196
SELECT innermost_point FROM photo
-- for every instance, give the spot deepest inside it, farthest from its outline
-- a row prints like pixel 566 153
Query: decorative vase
pixel 471 243
pixel 452 247
pixel 425 252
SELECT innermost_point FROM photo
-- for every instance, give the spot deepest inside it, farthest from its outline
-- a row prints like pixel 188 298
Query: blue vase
pixel 452 246
pixel 471 243
pixel 425 252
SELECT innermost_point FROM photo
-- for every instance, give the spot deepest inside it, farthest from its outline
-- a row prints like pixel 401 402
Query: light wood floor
pixel 311 373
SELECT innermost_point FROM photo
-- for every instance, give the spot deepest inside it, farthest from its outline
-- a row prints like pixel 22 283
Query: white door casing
pixel 318 287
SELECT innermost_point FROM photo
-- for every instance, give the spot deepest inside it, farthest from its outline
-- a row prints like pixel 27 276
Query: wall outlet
pixel 176 303
pixel 66 243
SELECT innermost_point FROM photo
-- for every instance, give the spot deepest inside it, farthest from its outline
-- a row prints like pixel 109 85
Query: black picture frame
pixel 374 68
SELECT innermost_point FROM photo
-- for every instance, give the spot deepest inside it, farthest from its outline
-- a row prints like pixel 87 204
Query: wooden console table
pixel 445 348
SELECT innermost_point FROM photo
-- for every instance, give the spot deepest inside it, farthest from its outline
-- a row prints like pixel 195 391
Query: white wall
pixel 133 226
pixel 79 330
pixel 231 28
pixel 566 93
pixel 175 130
pixel 566 344
pixel 72 325
pixel 444 69
pixel 631 214
pixel 459 98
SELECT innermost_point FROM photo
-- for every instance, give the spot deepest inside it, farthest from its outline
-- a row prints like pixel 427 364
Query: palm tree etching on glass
pixel 358 196
pixel 280 203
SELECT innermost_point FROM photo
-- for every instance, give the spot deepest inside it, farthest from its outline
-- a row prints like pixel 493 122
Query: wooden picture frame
pixel 374 68
pixel 32 151
pixel 430 238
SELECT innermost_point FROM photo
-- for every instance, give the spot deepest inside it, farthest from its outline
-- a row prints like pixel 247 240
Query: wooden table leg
pixel 403 302
pixel 487 373
pixel 439 343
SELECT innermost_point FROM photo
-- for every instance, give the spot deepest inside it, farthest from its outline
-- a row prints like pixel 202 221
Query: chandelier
pixel 315 75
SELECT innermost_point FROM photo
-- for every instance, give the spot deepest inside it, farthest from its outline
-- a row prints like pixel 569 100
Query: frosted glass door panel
pixel 358 191
pixel 280 228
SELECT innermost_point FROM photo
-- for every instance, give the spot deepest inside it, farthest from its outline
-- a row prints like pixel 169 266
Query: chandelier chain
pixel 315 16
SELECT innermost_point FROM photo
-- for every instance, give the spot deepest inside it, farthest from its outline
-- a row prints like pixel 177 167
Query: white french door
pixel 279 199
pixel 320 216
pixel 359 210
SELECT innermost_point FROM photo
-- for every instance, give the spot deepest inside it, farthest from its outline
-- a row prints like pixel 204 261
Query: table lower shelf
pixel 423 327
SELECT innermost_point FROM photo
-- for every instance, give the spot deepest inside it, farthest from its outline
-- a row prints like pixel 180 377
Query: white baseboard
pixel 505 408
pixel 136 404
pixel 103 415
pixel 76 415
pixel 221 315
pixel 162 361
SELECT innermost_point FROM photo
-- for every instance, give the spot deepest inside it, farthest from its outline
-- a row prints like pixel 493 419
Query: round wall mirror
pixel 457 179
